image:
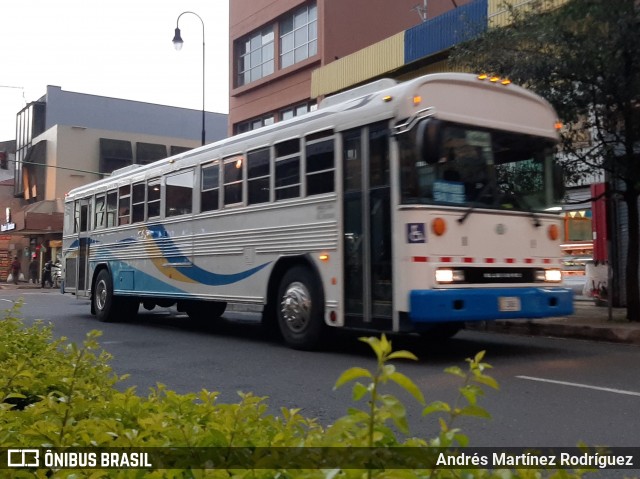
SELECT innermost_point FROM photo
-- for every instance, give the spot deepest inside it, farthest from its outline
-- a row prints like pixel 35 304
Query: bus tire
pixel 300 308
pixel 128 307
pixel 205 312
pixel 104 302
pixel 442 331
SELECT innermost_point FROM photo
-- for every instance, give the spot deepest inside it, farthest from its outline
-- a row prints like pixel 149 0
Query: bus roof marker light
pixel 483 76
pixel 324 257
pixel 506 82
pixel 387 98
pixel 494 79
pixel 558 125
pixel 417 99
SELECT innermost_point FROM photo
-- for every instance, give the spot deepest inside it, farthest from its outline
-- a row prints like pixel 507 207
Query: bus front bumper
pixel 442 305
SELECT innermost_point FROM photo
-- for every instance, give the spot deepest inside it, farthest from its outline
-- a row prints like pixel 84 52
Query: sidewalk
pixel 588 322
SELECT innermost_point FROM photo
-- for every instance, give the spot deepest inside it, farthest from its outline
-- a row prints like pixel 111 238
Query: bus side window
pixel 179 194
pixel 258 170
pixel 320 167
pixel 76 217
pixel 99 220
pixel 153 199
pixel 112 208
pixel 124 205
pixel 137 202
pixel 210 187
pixel 233 180
pixel 320 163
pixel 287 183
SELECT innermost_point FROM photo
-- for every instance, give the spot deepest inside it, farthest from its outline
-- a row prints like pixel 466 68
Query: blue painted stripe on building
pixel 446 30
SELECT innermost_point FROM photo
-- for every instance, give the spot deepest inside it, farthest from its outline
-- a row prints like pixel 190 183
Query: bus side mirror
pixel 427 140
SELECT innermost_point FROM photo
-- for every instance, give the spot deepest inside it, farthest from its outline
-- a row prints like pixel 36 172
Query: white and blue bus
pixel 396 207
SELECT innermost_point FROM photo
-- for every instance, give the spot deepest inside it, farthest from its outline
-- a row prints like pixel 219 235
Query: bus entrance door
pixel 367 228
pixel 83 208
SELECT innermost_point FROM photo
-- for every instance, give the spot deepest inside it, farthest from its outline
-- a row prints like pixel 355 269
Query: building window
pixel 114 154
pixel 255 57
pixel 297 110
pixel 149 152
pixel 299 36
pixel 254 124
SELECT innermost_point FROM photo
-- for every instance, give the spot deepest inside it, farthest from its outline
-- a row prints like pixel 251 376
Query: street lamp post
pixel 177 43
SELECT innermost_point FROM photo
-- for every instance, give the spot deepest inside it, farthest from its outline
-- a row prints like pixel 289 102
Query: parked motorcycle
pixel 52 275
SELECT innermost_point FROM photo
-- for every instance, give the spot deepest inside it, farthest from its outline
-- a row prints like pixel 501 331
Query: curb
pixel 605 331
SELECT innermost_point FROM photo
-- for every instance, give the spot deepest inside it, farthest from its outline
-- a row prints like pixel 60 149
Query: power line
pixel 60 167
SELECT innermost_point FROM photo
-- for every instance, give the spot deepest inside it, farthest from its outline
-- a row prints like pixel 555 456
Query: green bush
pixel 58 395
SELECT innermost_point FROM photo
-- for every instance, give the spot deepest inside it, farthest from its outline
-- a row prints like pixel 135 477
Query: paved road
pixel 553 393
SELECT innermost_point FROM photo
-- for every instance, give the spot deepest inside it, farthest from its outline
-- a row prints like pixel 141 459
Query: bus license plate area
pixel 509 304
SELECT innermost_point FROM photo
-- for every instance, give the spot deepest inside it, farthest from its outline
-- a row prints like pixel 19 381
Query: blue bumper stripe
pixel 441 305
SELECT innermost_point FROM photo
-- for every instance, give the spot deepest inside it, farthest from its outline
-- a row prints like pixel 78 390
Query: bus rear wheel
pixel 104 303
pixel 300 308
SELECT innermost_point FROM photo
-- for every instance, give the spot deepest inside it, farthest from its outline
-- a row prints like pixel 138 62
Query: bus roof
pixel 452 96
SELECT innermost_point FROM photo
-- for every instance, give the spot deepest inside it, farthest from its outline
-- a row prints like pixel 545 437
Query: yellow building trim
pixel 498 13
pixel 377 59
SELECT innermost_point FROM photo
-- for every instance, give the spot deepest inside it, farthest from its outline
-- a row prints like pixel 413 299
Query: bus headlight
pixel 549 275
pixel 448 275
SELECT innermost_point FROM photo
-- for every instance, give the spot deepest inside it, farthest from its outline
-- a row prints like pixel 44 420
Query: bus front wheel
pixel 300 308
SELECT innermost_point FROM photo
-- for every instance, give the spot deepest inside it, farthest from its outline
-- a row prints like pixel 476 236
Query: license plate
pixel 509 303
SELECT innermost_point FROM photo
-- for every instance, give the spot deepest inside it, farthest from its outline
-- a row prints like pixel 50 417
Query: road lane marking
pixel 578 385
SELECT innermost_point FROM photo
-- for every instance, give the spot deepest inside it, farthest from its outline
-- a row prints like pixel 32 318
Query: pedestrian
pixel 46 277
pixel 33 270
pixel 15 269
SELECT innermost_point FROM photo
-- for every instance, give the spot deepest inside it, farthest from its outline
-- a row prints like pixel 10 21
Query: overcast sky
pixel 114 48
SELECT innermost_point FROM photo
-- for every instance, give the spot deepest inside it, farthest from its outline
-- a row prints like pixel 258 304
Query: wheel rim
pixel 295 307
pixel 101 295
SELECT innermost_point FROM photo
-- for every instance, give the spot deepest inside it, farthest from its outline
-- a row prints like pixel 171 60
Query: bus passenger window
pixel 288 169
pixel 112 208
pixel 124 205
pixel 233 180
pixel 137 202
pixel 179 192
pixel 153 199
pixel 210 187
pixel 320 167
pixel 100 210
pixel 258 169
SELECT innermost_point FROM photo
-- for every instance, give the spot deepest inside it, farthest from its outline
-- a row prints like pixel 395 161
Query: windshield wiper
pixel 534 217
pixel 472 208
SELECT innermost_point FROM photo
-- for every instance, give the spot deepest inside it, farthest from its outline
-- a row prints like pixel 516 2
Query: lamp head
pixel 177 40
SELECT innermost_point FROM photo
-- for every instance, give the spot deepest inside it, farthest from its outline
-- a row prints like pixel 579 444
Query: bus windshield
pixel 468 166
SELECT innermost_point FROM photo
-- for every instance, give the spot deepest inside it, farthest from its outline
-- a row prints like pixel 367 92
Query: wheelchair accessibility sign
pixel 415 233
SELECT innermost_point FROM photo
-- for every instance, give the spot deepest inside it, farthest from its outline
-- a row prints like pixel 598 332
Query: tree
pixel 584 57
